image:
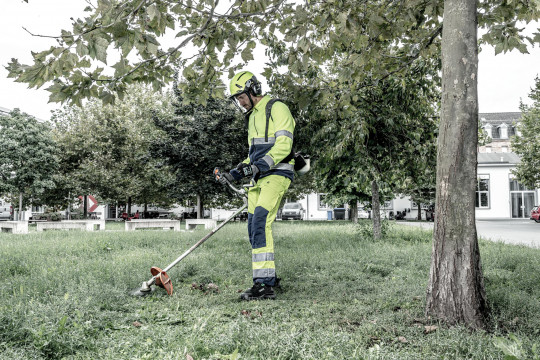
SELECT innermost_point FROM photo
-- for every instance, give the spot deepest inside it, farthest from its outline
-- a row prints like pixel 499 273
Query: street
pixel 518 232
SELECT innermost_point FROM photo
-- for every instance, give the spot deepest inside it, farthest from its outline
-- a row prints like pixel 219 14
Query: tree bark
pixel 456 291
pixel 376 209
pixel 85 207
pixel 199 205
pixel 19 216
pixel 68 215
pixel 129 206
pixel 354 212
pixel 419 207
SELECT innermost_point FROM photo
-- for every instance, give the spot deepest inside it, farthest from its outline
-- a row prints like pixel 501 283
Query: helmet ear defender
pixel 254 86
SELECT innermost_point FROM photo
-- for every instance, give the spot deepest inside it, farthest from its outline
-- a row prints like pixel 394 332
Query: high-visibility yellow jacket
pixel 268 155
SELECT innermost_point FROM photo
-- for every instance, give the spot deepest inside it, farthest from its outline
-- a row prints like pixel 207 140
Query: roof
pixel 496 120
pixel 498 158
pixel 500 118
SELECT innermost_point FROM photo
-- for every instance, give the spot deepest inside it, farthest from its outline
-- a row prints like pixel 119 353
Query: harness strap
pixel 268 111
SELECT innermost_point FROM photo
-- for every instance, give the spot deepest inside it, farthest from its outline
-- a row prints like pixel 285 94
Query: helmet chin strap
pixel 250 100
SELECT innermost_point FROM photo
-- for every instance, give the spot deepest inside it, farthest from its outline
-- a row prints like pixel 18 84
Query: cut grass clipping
pixel 64 294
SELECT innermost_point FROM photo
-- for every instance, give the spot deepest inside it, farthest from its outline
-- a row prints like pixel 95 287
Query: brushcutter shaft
pixel 198 243
pixel 164 279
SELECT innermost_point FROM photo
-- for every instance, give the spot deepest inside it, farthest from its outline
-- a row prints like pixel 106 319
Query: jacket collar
pixel 261 105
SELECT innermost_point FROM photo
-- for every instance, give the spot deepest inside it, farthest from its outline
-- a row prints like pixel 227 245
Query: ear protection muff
pixel 254 86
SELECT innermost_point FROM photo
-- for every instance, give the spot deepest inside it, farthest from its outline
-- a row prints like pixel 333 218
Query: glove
pixel 236 174
pixel 247 170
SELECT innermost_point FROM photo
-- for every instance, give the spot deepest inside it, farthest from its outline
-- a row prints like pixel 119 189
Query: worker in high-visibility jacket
pixel 271 164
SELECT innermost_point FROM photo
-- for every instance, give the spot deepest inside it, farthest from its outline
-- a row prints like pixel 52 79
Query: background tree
pixel 105 149
pixel 28 159
pixel 361 149
pixel 527 143
pixel 419 164
pixel 197 139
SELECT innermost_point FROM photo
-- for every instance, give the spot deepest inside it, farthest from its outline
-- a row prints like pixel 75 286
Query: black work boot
pixel 258 292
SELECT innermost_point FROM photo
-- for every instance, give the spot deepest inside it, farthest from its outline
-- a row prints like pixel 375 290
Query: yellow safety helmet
pixel 245 82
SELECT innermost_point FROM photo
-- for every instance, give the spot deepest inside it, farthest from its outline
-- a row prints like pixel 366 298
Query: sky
pixel 503 80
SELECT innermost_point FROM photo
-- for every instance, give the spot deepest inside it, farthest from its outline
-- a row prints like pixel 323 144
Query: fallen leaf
pixel 245 312
pixel 137 324
pixel 402 339
pixel 188 357
pixel 429 329
pixel 212 286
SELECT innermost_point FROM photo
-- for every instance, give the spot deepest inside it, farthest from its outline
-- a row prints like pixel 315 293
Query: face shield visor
pixel 242 101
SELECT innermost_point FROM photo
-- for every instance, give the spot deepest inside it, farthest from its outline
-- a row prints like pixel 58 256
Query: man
pixel 270 163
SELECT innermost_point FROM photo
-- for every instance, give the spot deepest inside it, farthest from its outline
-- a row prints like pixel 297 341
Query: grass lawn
pixel 64 294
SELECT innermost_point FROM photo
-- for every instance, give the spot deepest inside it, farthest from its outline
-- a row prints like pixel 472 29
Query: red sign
pixel 92 203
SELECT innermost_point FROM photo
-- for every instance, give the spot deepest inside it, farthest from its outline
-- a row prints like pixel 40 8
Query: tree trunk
pixel 419 207
pixel 85 207
pixel 129 206
pixel 20 215
pixel 456 291
pixel 145 209
pixel 354 212
pixel 68 215
pixel 376 209
pixel 199 207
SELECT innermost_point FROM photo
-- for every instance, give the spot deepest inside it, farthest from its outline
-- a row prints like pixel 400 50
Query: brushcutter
pixel 159 276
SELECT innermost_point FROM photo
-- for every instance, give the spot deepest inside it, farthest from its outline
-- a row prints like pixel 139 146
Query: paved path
pixel 517 232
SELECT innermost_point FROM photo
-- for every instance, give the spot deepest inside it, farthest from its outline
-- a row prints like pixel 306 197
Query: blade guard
pixel 162 279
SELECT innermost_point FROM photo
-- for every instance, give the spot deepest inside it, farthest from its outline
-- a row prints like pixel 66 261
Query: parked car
pixel 535 214
pixel 6 212
pixel 364 214
pixel 292 211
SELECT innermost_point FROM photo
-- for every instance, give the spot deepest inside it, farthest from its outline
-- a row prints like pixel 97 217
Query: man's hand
pixel 247 170
pixel 225 177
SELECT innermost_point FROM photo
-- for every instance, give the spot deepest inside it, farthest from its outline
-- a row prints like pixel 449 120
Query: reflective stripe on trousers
pixel 263 204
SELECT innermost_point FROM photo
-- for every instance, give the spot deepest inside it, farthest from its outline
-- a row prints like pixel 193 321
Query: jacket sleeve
pixel 284 132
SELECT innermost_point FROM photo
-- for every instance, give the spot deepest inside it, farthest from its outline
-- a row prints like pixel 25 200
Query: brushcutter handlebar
pixel 224 180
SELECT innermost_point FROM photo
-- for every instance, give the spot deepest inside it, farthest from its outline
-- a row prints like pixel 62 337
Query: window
pixel 386 205
pixel 488 130
pixel 322 202
pixel 516 186
pixel 482 192
pixel 292 206
pixel 503 131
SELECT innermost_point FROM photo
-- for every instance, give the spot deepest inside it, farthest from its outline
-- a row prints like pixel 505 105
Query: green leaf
pixel 101 45
pixel 247 53
pixel 81 49
pixel 499 48
pixel 152 11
